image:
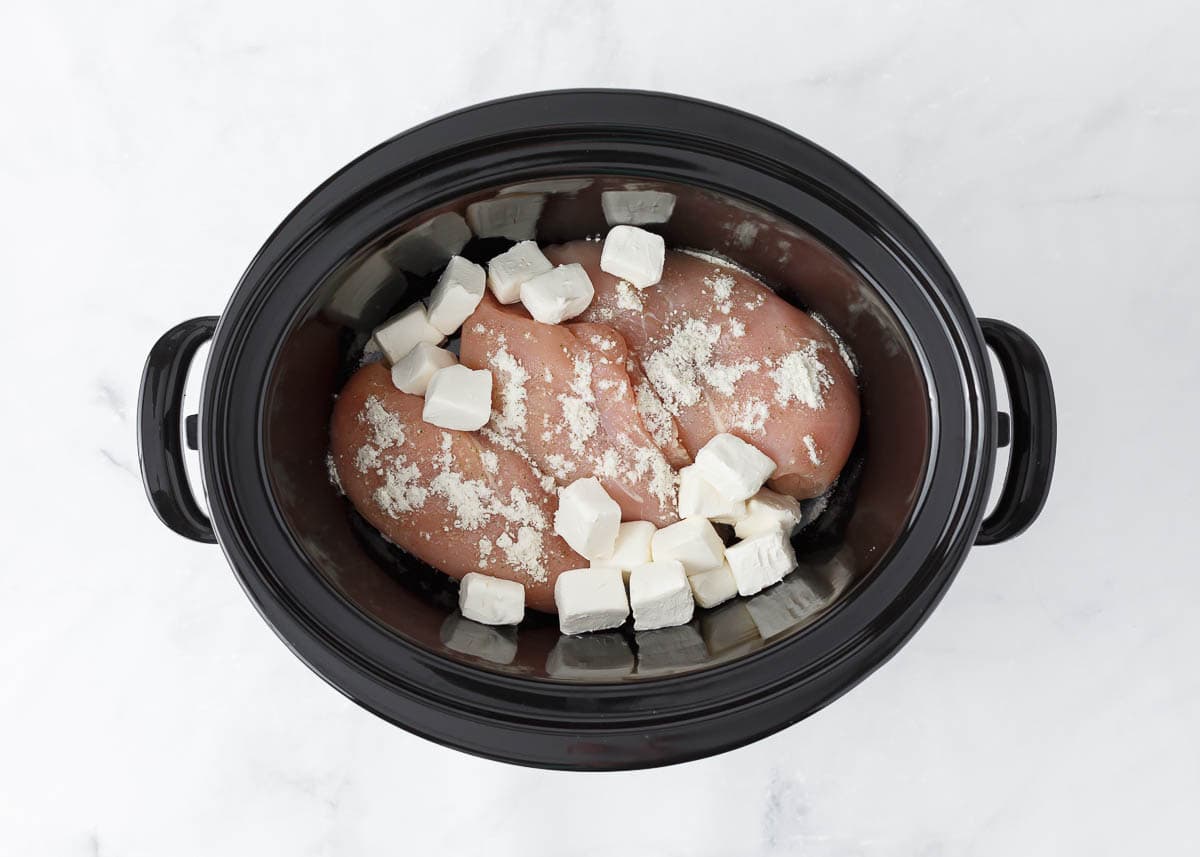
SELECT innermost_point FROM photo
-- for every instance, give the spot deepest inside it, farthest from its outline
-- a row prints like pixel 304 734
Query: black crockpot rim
pixel 461 711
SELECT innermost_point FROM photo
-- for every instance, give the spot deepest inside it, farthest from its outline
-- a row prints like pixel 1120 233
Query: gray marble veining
pixel 1049 706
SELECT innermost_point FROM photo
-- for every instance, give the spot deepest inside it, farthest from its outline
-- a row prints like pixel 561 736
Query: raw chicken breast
pixel 563 396
pixel 627 393
pixel 722 353
pixel 453 499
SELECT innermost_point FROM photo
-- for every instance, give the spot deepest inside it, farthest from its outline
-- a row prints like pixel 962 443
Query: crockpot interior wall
pixel 867 515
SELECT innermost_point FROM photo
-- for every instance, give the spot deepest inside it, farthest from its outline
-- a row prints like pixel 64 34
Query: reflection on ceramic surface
pixel 497 645
pixel 787 604
pixel 425 248
pixel 637 207
pixel 729 630
pixel 667 650
pixel 363 293
pixel 596 657
pixel 513 216
pixel 548 186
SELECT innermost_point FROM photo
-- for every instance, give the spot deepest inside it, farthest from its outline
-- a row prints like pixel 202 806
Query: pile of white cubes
pixel 657 574
pixel 661 574
pixel 460 398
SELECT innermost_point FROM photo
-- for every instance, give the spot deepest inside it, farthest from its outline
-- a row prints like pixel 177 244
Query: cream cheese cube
pixel 400 333
pixel 491 600
pixel 631 548
pixel 517 265
pixel 458 291
pixel 590 599
pixel 458 398
pixel 698 499
pixel 660 596
pixel 768 510
pixel 713 587
pixel 558 294
pixel 736 469
pixel 514 216
pixel 588 519
pixel 634 255
pixel 760 561
pixel 411 373
pixel 692 541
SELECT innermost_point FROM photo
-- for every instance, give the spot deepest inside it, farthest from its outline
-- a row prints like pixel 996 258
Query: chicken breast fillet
pixel 563 395
pixel 628 392
pixel 722 353
pixel 452 499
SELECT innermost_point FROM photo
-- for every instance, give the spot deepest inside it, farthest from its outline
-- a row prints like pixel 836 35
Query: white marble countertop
pixel 1049 706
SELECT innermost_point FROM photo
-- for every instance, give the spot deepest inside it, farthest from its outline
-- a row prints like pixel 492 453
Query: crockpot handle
pixel 1034 431
pixel 160 445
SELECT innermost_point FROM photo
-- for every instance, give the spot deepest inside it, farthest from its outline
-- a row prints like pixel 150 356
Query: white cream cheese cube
pixel 769 510
pixel 491 600
pixel 633 544
pixel 588 519
pixel 660 596
pixel 713 587
pixel 735 514
pixel 760 561
pixel 590 599
pixel 698 499
pixel 631 548
pixel 517 265
pixel 736 469
pixel 637 206
pixel 755 525
pixel 458 291
pixel 558 294
pixel 782 506
pixel 634 255
pixel 426 248
pixel 411 373
pixel 692 541
pixel 458 398
pixel 514 216
pixel 400 333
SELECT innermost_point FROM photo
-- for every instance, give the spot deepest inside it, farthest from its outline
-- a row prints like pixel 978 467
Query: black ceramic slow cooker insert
pixel 382 628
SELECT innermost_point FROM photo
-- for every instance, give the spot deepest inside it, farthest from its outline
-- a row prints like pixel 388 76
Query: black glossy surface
pixel 1034 432
pixel 1003 429
pixel 928 444
pixel 160 450
pixel 191 432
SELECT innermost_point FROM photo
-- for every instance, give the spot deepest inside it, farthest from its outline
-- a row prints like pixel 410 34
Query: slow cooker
pixel 382 628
